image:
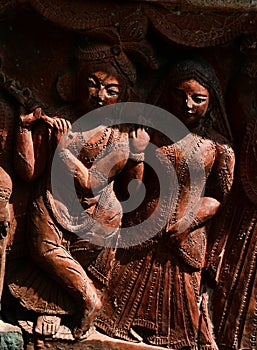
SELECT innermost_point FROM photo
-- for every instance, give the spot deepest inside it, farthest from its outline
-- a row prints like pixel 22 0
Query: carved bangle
pixel 23 129
pixel 137 157
pixel 192 221
pixel 196 223
pixel 100 176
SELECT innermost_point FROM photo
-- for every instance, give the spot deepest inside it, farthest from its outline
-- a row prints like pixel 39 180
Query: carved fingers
pixel 139 139
pixel 48 325
pixel 27 120
pixel 61 126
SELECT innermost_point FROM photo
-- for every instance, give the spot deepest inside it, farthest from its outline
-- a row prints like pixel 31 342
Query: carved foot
pixel 47 325
pixel 82 330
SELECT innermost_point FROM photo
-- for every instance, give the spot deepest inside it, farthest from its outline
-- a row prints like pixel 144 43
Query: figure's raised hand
pixel 61 126
pixel 27 120
pixel 139 139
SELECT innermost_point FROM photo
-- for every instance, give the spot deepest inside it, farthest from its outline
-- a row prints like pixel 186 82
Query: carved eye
pixel 112 92
pixel 199 99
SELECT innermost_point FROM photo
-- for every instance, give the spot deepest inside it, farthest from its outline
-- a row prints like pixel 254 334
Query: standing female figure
pixel 155 290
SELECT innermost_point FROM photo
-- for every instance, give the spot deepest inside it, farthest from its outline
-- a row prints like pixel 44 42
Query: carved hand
pixel 139 139
pixel 207 208
pixel 61 126
pixel 27 120
pixel 178 237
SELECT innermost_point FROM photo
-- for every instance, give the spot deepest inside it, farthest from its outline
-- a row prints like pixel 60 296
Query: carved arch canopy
pixel 195 24
pixel 213 30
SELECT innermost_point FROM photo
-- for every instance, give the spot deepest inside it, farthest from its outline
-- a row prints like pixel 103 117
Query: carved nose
pixel 97 98
pixel 189 103
pixel 101 94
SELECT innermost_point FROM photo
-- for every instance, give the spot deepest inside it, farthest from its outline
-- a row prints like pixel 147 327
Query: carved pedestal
pixel 98 341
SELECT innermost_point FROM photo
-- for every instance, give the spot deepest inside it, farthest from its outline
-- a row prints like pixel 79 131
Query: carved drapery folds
pixel 232 253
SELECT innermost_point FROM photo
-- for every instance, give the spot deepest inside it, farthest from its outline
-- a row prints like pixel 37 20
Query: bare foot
pixel 47 325
pixel 87 318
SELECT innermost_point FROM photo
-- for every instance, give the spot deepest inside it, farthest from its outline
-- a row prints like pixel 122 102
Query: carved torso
pixel 108 151
pixel 160 278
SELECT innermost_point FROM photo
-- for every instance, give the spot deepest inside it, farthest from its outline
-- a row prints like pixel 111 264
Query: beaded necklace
pixel 92 145
pixel 77 150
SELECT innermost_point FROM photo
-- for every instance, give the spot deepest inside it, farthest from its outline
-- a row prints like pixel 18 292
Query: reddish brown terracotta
pixel 39 50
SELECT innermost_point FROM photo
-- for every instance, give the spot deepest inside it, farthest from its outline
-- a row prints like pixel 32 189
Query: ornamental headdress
pixel 111 49
pixel 99 55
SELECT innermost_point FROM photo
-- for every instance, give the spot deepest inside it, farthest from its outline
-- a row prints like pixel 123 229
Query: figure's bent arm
pixel 204 210
pixel 31 149
pixel 219 185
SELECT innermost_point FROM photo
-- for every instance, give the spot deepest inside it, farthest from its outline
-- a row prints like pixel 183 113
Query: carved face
pixel 191 101
pixel 104 89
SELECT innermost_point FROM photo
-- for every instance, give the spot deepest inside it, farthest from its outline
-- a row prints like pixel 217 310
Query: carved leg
pixel 69 273
pixel 47 250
